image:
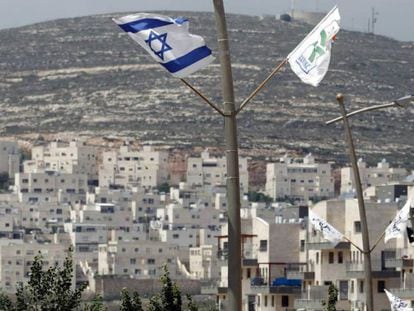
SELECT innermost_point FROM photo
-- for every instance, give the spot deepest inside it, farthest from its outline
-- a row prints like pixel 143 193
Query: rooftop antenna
pixel 292 5
pixel 374 19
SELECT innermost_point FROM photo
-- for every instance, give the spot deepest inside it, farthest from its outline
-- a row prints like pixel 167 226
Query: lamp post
pixel 401 102
pixel 234 291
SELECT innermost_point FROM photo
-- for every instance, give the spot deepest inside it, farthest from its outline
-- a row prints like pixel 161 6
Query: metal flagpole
pixel 361 205
pixel 234 291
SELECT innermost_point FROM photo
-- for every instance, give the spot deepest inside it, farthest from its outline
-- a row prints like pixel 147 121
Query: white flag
pixel 398 225
pixel 328 232
pixel 310 59
pixel 396 303
pixel 168 41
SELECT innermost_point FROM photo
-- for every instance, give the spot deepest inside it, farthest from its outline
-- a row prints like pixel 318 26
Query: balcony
pixel 399 263
pixel 308 304
pixel 356 270
pixel 403 293
pixel 283 290
pixel 319 243
pixel 300 275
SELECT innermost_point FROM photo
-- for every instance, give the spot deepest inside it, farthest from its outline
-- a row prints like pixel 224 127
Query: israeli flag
pixel 168 41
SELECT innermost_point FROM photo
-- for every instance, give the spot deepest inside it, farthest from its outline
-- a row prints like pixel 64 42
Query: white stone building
pixel 142 260
pixel 45 186
pixel 9 158
pixel 72 158
pixel 16 258
pixel 208 172
pixel 301 181
pixel 371 176
pixel 146 168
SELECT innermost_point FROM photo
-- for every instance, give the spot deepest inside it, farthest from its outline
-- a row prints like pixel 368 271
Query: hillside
pixel 84 77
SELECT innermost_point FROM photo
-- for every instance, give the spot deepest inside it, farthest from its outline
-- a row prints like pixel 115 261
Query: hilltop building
pixel 371 176
pixel 146 168
pixel 299 180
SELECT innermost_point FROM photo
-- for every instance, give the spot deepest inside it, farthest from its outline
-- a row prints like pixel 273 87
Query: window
pixel 132 261
pixel 273 300
pixel 340 257
pixel 317 257
pixel 151 261
pixel 352 287
pixel 248 273
pixel 357 226
pixel 331 257
pixel 302 245
pixel 265 300
pixel 381 286
pixel 285 301
pixel 361 286
pixel 263 245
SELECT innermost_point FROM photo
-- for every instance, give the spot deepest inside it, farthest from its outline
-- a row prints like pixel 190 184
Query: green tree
pixel 164 187
pixel 129 303
pixel 332 298
pixel 155 304
pixel 190 303
pixel 5 303
pixel 96 305
pixel 258 197
pixel 51 289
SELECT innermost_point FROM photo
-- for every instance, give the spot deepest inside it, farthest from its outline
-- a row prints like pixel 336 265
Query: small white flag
pixel 328 232
pixel 398 225
pixel 396 303
pixel 310 59
pixel 168 41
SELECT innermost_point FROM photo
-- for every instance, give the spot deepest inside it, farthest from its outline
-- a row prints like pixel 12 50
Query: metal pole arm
pixel 401 102
pixel 203 97
pixel 261 85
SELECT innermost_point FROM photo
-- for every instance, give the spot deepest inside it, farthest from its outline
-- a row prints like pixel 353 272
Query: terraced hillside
pixel 84 77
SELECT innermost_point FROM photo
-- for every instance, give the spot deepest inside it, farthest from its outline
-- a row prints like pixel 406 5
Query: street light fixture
pixel 402 102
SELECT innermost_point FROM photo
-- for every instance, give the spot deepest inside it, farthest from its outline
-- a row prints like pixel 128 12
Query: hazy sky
pixel 394 19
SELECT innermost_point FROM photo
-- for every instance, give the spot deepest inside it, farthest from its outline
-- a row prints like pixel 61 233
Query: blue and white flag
pixel 168 41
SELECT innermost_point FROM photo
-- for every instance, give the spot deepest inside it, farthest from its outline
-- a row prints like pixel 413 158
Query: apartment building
pixel 16 258
pixel 9 158
pixel 142 260
pixel 371 176
pixel 71 158
pixel 45 186
pixel 300 180
pixel 146 168
pixel 342 264
pixel 207 171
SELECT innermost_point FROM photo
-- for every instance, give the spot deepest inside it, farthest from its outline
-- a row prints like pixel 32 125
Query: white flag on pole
pixel 396 303
pixel 168 41
pixel 398 225
pixel 328 232
pixel 310 59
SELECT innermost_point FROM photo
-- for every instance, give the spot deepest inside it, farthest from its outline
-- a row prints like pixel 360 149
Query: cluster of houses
pixel 110 207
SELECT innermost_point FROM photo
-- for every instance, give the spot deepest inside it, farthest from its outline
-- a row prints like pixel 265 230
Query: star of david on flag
pixel 168 41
